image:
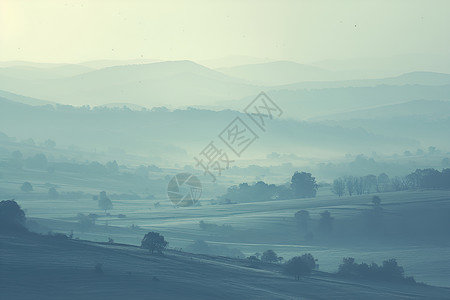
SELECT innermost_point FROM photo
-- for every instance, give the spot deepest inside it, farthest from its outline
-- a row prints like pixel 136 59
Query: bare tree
pixel 339 187
pixel 350 184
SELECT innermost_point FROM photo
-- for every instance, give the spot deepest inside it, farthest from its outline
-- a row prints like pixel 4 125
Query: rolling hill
pixel 41 267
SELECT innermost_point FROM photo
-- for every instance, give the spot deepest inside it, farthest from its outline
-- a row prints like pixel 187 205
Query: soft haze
pixel 224 150
pixel 301 31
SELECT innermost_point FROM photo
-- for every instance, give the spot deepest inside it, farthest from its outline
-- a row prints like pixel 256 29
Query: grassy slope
pixel 38 267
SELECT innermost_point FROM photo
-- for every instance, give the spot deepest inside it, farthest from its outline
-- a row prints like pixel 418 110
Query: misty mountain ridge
pixel 158 132
pixel 175 83
pixel 155 84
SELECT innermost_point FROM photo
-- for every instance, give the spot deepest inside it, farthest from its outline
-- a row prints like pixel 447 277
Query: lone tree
pixel 104 203
pixel 269 256
pixel 300 265
pixel 350 185
pixel 26 187
pixel 153 241
pixel 303 185
pixel 11 215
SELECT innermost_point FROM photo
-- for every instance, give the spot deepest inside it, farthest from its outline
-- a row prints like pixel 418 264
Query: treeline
pixel 388 271
pixel 40 161
pixel 419 179
pixel 302 185
pixel 259 191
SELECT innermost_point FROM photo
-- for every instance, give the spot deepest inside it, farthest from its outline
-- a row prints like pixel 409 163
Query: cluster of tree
pixel 39 161
pixel 143 171
pixel 86 221
pixel 302 185
pixel 53 194
pixel 421 178
pixel 268 256
pixel 361 185
pixel 259 191
pixel 93 167
pixel 325 223
pixel 296 266
pixel 388 271
pixel 214 227
pixel 429 179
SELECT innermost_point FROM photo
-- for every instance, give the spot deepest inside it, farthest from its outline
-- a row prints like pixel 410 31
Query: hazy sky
pixel 303 31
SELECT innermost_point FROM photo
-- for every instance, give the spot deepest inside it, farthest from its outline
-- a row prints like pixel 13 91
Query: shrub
pixel 376 200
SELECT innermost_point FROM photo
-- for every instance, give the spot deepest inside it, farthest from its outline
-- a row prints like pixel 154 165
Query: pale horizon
pixel 304 32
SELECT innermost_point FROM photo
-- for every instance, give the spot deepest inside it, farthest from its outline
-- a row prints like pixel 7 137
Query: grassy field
pixel 417 241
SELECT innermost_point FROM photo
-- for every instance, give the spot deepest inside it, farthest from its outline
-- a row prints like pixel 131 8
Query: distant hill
pixel 303 104
pixel 105 63
pixel 377 67
pixel 24 100
pixel 277 73
pixel 29 71
pixel 413 78
pixel 179 134
pixel 418 108
pixel 233 60
pixel 177 83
